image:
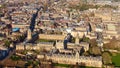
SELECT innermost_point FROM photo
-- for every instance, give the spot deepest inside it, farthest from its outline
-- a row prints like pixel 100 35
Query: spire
pixel 77 39
pixel 77 55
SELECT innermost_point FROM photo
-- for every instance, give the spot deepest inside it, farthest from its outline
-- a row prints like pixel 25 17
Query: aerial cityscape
pixel 59 33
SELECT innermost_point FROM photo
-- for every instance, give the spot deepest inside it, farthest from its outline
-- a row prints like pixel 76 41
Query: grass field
pixel 62 65
pixel 70 66
pixel 116 60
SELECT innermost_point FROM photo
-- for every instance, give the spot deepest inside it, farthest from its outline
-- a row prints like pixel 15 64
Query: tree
pixel 7 43
pixel 95 50
pixel 93 42
pixel 15 58
pixel 29 62
pixel 109 6
pixel 36 63
pixel 113 44
pixel 116 0
pixel 22 37
pixel 85 39
pixel 96 6
pixel 106 58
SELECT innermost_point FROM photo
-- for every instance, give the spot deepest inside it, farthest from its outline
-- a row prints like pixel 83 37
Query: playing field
pixel 116 60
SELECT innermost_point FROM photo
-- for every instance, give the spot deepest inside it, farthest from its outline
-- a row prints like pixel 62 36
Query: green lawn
pixel 61 65
pixel 86 67
pixel 116 60
pixel 69 66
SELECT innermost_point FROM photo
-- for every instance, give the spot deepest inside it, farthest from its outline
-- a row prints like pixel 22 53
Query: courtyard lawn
pixel 116 60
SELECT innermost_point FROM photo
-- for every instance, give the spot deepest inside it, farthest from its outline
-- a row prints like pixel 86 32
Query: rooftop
pixel 15 29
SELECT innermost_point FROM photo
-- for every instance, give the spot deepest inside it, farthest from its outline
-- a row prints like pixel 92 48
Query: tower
pixel 29 34
pixel 77 56
pixel 77 39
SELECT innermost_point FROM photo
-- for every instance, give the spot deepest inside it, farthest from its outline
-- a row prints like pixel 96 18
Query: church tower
pixel 77 39
pixel 29 34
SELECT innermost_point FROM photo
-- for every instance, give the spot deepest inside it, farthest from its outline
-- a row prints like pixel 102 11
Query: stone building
pixel 116 16
pixel 105 14
pixel 74 59
pixel 111 30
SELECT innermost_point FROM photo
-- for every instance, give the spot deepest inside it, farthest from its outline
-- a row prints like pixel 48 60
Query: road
pixel 32 24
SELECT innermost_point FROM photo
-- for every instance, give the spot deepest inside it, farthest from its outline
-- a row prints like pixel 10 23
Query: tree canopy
pixel 15 58
pixel 113 44
pixel 106 58
pixel 7 43
pixel 95 50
